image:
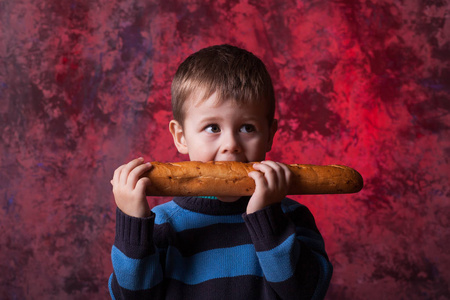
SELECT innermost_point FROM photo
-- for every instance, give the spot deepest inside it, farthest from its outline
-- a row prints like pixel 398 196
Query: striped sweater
pixel 202 248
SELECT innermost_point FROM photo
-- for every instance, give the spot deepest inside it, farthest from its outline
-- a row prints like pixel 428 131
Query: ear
pixel 272 130
pixel 178 136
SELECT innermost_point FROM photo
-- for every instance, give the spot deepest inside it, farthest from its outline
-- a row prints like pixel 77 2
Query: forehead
pixel 201 104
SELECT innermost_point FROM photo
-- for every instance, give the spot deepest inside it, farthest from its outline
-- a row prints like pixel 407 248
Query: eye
pixel 213 128
pixel 247 128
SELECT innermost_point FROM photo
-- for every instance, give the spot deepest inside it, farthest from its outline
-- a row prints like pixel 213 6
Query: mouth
pixel 236 160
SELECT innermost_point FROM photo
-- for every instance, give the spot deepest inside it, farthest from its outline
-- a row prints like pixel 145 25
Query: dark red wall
pixel 85 86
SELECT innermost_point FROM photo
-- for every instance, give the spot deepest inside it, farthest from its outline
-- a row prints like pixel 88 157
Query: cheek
pixel 202 151
pixel 258 149
pixel 263 141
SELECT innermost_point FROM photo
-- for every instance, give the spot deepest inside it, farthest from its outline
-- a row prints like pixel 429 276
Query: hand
pixel 271 184
pixel 129 188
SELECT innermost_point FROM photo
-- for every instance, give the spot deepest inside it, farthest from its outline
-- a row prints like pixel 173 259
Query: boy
pixel 260 247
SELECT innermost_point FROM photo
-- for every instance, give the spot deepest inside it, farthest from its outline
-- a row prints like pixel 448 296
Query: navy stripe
pixel 217 263
pixel 306 277
pixel 192 241
pixel 110 287
pixel 289 205
pixel 269 227
pixel 311 239
pixel 301 216
pixel 164 235
pixel 236 288
pixel 118 292
pixel 326 271
pixel 213 207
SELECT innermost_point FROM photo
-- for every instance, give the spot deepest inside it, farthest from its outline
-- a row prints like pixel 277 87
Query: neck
pixel 228 199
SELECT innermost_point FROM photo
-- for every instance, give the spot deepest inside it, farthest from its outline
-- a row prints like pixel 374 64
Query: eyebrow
pixel 209 119
pixel 218 119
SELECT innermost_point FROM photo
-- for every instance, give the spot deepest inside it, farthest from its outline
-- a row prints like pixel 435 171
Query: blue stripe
pixel 136 274
pixel 110 287
pixel 166 210
pixel 279 263
pixel 182 219
pixel 211 264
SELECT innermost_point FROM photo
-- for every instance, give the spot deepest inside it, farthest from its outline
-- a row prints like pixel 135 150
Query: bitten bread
pixel 226 178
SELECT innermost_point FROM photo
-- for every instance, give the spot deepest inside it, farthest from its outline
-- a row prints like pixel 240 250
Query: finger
pixel 287 174
pixel 269 173
pixel 116 176
pixel 274 165
pixel 258 177
pixel 282 178
pixel 137 172
pixel 283 174
pixel 127 169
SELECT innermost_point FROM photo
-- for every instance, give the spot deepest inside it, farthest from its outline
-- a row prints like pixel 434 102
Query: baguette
pixel 227 178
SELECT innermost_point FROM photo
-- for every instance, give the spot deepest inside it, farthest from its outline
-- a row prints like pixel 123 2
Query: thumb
pixel 142 184
pixel 258 177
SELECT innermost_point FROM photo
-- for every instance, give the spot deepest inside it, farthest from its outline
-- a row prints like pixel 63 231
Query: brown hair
pixel 231 72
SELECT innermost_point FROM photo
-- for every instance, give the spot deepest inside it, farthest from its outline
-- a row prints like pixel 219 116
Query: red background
pixel 85 87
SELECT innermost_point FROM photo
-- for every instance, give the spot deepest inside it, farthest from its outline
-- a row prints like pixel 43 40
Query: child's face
pixel 224 131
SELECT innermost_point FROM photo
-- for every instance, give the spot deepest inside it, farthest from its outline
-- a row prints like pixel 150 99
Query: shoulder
pixel 298 213
pixel 289 205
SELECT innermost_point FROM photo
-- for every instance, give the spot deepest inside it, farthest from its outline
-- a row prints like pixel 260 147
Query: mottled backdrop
pixel 85 87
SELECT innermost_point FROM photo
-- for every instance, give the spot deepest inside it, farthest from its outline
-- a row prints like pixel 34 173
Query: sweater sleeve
pixel 137 271
pixel 291 251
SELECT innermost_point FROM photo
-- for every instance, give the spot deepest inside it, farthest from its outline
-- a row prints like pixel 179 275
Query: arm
pixel 291 251
pixel 289 247
pixel 137 271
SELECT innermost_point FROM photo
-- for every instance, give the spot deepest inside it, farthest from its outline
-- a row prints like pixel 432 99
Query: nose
pixel 231 144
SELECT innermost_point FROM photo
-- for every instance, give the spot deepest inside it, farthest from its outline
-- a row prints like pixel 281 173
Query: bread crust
pixel 228 178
